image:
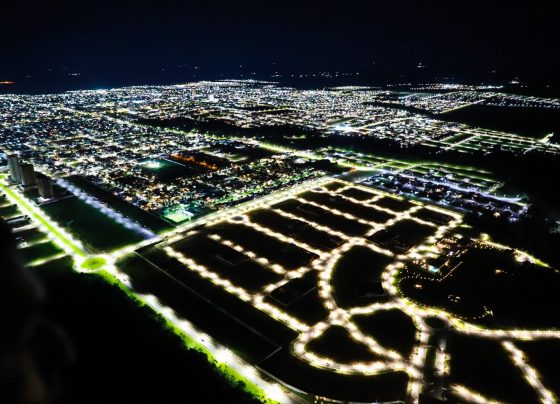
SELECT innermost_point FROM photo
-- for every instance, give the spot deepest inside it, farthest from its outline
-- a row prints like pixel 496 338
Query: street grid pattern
pixel 324 264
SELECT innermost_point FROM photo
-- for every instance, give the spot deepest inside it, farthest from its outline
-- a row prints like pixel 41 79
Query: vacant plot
pixel 18 222
pixel 333 186
pixel 323 217
pixel 39 251
pixel 360 211
pixel 279 252
pixel 296 229
pixel 393 329
pixel 30 235
pixel 96 230
pixel 336 343
pixel 358 194
pixel 300 299
pixel 226 262
pixel 356 279
pixel 430 215
pixel 397 205
pixel 402 236
pixel 8 212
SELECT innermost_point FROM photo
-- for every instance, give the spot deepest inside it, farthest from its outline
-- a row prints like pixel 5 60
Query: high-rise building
pixel 15 169
pixel 45 186
pixel 28 180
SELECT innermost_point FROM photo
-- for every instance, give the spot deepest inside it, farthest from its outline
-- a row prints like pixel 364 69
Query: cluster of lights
pixel 324 264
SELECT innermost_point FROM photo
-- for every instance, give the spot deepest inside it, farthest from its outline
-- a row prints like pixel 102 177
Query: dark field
pixel 531 122
pixel 520 295
pixel 278 252
pixel 91 226
pixel 544 356
pixel 296 229
pixel 123 353
pixel 393 329
pixel 356 279
pixel 484 366
pixel 336 343
pixel 226 262
pixel 134 213
pixel 323 217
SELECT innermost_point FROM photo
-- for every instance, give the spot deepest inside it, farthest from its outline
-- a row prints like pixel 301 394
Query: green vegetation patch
pixel 7 212
pixel 145 219
pixel 92 308
pixel 94 263
pixel 39 252
pixel 91 226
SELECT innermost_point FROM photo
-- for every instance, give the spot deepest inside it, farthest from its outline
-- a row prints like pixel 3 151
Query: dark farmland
pixel 530 122
pixel 123 353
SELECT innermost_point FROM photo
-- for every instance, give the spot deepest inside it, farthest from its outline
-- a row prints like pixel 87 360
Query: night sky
pixel 142 41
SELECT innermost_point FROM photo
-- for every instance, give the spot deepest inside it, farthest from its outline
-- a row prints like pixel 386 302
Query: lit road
pixel 390 360
pixel 74 248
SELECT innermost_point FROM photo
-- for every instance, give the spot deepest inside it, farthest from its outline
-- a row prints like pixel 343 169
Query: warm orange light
pixel 194 161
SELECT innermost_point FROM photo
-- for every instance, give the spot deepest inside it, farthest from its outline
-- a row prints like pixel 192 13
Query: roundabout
pixel 93 263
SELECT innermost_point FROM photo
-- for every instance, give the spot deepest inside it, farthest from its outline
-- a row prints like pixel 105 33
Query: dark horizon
pixel 63 45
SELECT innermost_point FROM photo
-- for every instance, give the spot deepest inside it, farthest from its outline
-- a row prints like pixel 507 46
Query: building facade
pixel 15 169
pixel 28 179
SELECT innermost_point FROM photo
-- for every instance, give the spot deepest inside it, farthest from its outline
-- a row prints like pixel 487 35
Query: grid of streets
pixel 271 225
pixel 320 258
